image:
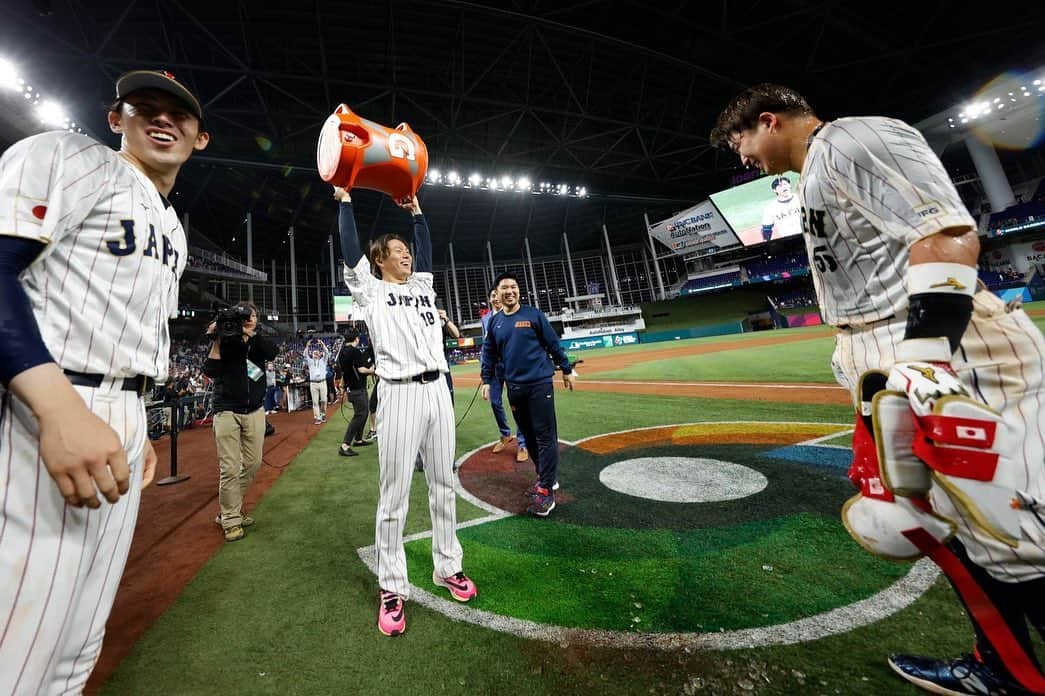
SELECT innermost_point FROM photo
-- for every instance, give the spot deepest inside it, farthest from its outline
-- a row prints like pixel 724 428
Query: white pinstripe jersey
pixel 403 321
pixel 105 286
pixel 871 187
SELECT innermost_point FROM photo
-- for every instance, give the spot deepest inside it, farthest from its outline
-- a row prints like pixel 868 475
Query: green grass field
pixel 291 609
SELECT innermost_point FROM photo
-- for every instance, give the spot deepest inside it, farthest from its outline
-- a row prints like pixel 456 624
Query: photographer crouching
pixel 235 363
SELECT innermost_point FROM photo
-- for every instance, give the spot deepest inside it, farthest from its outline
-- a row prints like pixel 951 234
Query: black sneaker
pixel 543 503
pixel 362 443
pixel 965 675
pixel 371 436
pixel 347 452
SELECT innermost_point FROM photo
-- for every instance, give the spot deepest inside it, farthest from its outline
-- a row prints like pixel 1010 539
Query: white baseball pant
pixel 60 566
pixel 415 418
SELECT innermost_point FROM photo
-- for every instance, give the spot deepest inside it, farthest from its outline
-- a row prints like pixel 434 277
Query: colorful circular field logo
pixel 713 535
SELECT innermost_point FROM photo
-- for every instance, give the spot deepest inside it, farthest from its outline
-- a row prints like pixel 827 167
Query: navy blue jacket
pixel 523 342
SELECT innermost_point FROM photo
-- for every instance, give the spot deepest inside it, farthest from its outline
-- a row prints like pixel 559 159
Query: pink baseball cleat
pixel 391 614
pixel 460 585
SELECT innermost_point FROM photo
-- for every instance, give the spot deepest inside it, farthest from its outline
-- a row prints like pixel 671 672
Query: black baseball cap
pixel 161 80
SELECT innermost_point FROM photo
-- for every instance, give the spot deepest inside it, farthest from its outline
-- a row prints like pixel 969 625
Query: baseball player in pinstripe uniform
pixel 90 257
pixel 414 408
pixel 949 449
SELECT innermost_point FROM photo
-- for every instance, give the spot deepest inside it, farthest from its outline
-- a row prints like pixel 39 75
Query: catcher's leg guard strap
pixel 983 612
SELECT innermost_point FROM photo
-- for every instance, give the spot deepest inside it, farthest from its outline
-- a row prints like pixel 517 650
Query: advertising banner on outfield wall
pixel 698 229
pixel 624 339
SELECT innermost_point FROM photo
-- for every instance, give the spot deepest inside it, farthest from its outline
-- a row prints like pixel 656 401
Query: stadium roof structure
pixel 617 97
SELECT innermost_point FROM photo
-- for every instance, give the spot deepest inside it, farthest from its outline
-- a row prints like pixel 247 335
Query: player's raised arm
pixel 346 225
pixel 422 235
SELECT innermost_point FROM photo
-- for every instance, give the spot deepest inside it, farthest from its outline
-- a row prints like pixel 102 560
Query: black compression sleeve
pixel 934 314
pixel 21 346
pixel 346 224
pixel 422 245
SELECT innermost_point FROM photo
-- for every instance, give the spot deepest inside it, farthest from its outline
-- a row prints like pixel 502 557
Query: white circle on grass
pixel 682 479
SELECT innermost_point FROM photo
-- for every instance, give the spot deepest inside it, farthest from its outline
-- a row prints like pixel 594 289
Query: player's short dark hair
pixel 379 250
pixel 742 112
pixel 776 182
pixel 351 335
pixel 506 276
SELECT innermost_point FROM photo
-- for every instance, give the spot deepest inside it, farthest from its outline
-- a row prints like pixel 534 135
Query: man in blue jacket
pixel 522 338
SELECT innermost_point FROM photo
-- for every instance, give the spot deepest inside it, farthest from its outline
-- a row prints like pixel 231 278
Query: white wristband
pixel 950 278
pixel 924 350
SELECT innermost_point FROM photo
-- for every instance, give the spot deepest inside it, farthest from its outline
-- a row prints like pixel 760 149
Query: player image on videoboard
pixel 762 210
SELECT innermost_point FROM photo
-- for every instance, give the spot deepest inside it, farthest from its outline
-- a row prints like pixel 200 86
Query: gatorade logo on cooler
pixel 401 146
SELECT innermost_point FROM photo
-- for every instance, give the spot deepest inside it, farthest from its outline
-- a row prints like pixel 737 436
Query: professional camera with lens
pixel 230 321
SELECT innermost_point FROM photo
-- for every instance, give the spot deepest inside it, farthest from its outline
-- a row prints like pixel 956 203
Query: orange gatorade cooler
pixel 354 152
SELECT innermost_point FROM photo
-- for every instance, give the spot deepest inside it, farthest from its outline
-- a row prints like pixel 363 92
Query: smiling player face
pixel 398 265
pixel 763 146
pixel 159 133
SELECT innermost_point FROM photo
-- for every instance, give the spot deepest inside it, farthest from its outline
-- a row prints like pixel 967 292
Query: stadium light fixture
pixel 8 75
pixel 995 97
pixel 50 113
pixel 504 183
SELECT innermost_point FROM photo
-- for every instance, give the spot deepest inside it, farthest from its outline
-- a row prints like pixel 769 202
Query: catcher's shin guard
pixel 965 445
pixel 878 516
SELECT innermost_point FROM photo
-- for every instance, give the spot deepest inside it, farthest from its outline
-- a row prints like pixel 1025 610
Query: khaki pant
pixel 319 398
pixel 240 439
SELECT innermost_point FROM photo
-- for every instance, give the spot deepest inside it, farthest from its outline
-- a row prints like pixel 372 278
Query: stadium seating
pixel 775 269
pixel 1020 216
pixel 712 282
pixel 995 280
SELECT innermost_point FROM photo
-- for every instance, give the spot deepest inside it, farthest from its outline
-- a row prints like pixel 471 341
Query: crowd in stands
pixel 188 386
pixel 799 298
pixel 456 356
pixel 1022 213
pixel 1001 279
pixel 793 264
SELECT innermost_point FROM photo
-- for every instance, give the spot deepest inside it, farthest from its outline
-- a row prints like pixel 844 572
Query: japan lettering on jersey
pixel 870 188
pixel 404 323
pixel 785 217
pixel 107 282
